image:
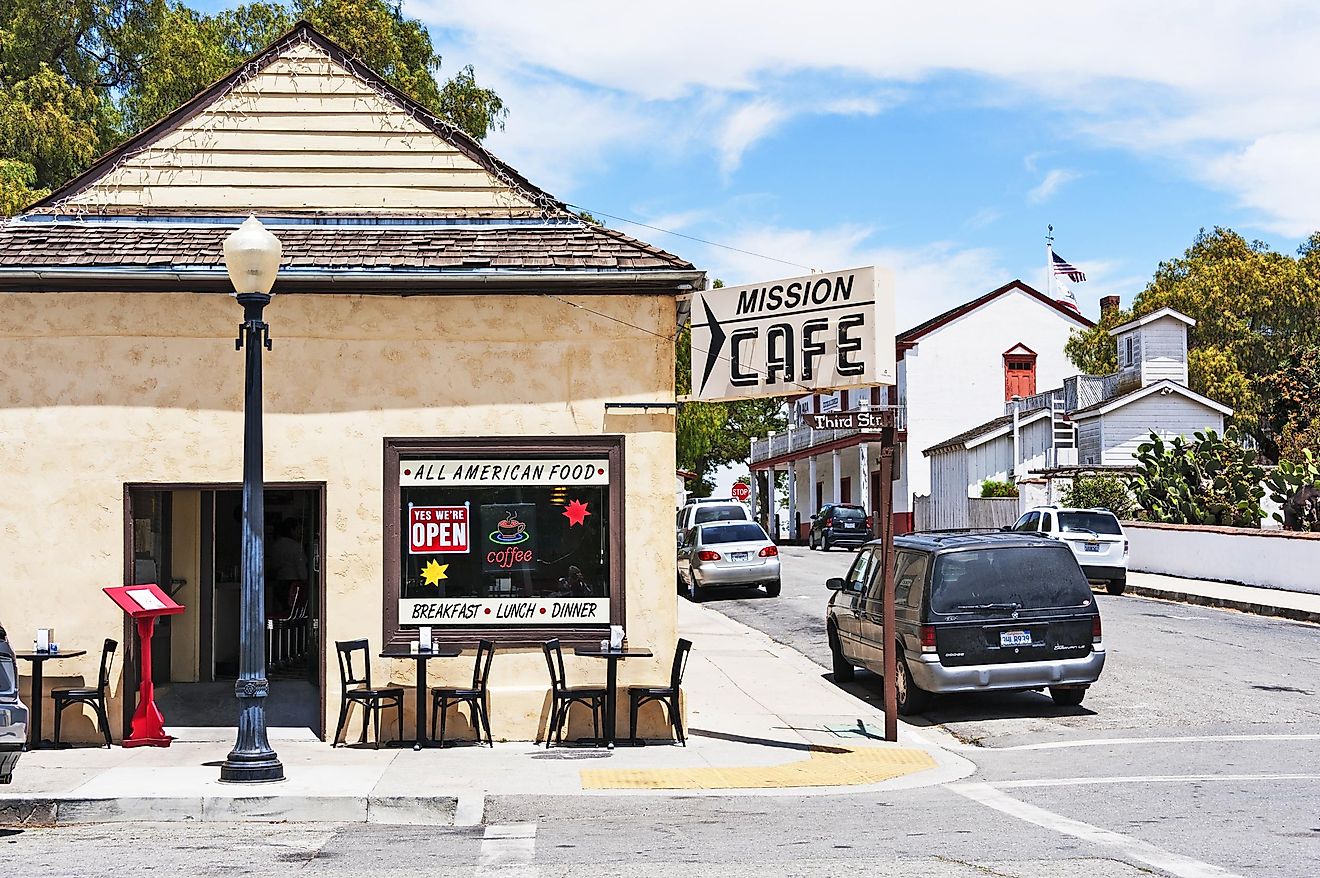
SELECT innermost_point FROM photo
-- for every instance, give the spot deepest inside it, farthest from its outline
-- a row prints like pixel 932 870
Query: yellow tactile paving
pixel 826 767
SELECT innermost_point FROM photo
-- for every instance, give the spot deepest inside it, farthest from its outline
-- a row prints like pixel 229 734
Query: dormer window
pixel 1019 372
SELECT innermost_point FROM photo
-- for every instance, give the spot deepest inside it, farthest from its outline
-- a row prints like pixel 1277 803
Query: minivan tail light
pixel 927 638
pixel 868 522
pixel 1095 628
pixel 769 552
pixel 708 556
pixel 829 522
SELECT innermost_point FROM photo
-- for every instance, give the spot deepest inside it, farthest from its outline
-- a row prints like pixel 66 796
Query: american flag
pixel 1067 269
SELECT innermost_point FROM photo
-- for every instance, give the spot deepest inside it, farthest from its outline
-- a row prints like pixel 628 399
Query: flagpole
pixel 1049 261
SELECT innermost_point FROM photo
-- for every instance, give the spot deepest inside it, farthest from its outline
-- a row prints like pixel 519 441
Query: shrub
pixel 1295 486
pixel 1209 480
pixel 1105 491
pixel 993 488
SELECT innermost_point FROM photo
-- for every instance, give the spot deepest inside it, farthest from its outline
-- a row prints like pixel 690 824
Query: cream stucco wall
pixel 99 390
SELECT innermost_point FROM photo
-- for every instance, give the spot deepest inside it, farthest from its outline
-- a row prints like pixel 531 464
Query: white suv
pixel 1094 535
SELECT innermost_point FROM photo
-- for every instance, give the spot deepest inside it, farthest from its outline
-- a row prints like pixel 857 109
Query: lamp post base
pixel 264 769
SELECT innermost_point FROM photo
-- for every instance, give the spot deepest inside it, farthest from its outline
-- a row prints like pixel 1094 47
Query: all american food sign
pixel 825 331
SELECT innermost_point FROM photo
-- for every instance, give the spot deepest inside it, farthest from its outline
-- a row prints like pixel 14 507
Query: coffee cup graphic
pixel 509 529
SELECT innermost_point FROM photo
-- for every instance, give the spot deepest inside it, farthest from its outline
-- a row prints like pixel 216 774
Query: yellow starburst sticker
pixel 434 571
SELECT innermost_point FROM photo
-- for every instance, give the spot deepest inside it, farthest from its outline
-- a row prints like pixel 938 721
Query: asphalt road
pixel 1197 755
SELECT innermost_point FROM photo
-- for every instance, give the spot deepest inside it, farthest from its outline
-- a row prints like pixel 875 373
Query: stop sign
pixel 741 491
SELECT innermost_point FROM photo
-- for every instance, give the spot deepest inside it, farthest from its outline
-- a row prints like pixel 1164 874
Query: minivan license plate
pixel 738 556
pixel 1091 547
pixel 1015 638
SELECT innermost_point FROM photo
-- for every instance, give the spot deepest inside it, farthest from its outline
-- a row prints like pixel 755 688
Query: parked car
pixel 973 612
pixel 1094 535
pixel 727 553
pixel 13 715
pixel 710 509
pixel 839 524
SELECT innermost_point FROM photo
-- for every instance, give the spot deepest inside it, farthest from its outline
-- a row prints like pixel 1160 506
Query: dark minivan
pixel 974 613
pixel 839 524
pixel 13 715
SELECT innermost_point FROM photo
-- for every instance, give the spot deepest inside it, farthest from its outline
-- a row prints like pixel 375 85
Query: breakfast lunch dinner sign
pixel 487 552
pixel 825 331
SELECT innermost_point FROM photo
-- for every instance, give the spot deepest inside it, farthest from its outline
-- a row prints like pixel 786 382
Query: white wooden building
pixel 954 370
pixel 1090 421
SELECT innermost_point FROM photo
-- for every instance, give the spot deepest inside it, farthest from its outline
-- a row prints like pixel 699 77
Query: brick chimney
pixel 1108 305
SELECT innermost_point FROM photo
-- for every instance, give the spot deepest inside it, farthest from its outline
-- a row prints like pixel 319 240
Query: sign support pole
pixel 887 622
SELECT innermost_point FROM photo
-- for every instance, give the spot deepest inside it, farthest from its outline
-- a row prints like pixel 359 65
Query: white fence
pixel 1271 558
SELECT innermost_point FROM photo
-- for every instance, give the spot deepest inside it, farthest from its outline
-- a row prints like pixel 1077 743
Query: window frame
pixel 397 637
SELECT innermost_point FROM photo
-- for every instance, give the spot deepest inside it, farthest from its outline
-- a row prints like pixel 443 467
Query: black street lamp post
pixel 252 256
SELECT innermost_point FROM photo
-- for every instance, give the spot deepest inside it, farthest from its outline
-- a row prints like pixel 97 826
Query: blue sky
pixel 937 143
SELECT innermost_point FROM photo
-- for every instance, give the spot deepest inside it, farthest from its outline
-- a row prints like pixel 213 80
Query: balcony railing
pixel 802 438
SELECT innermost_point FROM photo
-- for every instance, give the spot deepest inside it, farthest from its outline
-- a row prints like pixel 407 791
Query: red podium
pixel 144 603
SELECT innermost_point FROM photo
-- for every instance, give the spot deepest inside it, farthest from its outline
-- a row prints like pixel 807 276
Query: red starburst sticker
pixel 576 512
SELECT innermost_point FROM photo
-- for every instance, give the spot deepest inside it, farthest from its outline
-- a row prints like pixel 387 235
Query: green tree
pixel 1100 491
pixel 1253 309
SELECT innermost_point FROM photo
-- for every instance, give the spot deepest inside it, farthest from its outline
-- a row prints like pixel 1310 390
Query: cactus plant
pixel 1208 480
pixel 1295 486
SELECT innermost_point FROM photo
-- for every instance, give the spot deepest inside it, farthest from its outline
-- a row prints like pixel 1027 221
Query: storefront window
pixel 514 541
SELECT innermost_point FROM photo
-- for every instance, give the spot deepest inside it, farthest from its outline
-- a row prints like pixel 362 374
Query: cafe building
pixel 469 408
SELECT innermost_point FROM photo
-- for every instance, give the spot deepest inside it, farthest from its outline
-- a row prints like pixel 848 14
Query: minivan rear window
pixel 733 533
pixel 1008 578
pixel 720 513
pixel 1096 522
pixel 847 512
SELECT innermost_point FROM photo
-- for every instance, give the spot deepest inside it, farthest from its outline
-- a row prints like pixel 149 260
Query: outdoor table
pixel 38 659
pixel 445 650
pixel 613 657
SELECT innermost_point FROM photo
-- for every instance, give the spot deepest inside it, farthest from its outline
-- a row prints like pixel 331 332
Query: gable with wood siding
pixel 302 129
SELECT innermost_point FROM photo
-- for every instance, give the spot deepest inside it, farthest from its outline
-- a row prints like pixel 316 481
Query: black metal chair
pixel 666 695
pixel 475 697
pixel 93 698
pixel 372 700
pixel 563 696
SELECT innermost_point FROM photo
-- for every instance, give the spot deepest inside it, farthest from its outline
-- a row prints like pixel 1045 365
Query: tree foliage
pixel 79 76
pixel 997 488
pixel 1100 491
pixel 1254 310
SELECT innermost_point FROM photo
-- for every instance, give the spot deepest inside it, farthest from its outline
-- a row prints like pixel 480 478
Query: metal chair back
pixel 345 650
pixel 680 663
pixel 107 659
pixel 481 670
pixel 554 659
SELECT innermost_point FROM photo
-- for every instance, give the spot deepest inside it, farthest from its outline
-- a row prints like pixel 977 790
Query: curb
pixel 1201 600
pixel 407 810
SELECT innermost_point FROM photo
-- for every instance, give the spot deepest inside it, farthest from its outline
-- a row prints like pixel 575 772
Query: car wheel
pixel 1116 586
pixel 772 589
pixel 825 543
pixel 911 698
pixel 1070 696
pixel 843 669
pixel 694 591
pixel 811 541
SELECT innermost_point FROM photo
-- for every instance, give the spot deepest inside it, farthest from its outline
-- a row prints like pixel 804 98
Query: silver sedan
pixel 727 553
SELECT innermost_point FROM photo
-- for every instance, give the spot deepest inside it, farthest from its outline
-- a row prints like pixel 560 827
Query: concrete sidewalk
pixel 763 721
pixel 1295 605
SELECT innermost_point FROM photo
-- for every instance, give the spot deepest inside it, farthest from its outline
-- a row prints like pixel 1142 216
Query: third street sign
pixel 854 420
pixel 825 331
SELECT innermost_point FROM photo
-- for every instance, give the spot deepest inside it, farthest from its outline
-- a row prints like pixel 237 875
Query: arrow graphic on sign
pixel 716 343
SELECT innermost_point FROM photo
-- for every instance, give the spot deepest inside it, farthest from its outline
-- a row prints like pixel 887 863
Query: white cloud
pixel 744 127
pixel 1231 100
pixel 1053 181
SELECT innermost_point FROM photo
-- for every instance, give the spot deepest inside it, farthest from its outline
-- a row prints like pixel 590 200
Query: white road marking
pixel 1110 742
pixel 1177 864
pixel 508 851
pixel 1157 778
pixel 471 808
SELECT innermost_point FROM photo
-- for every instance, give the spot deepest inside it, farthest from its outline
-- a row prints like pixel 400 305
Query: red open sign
pixel 438 530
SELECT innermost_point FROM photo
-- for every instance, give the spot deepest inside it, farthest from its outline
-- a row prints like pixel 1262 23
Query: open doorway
pixel 188 540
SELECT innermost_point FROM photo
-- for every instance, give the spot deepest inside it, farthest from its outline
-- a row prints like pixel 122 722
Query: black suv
pixel 839 524
pixel 974 612
pixel 13 715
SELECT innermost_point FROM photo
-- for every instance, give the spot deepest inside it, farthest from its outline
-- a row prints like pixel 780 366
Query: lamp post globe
pixel 252 258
